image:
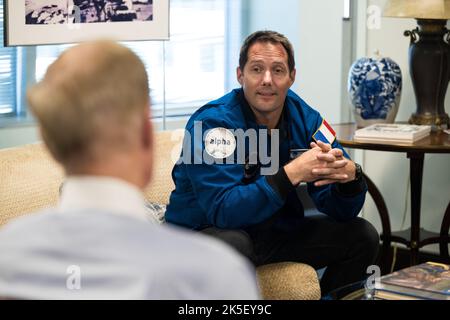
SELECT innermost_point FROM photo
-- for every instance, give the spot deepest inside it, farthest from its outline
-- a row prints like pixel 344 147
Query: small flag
pixel 325 133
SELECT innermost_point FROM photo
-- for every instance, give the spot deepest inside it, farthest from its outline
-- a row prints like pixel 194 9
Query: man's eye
pixel 256 69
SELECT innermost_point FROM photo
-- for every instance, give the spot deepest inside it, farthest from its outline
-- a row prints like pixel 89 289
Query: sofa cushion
pixel 30 180
pixel 288 281
pixel 166 152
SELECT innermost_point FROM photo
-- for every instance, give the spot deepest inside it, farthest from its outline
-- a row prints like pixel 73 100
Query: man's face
pixel 266 77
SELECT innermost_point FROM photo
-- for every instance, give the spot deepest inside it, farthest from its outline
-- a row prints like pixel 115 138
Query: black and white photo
pixel 45 11
pixel 34 22
pixel 87 11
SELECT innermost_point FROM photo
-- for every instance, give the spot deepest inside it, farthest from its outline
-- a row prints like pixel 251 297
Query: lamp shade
pixel 419 9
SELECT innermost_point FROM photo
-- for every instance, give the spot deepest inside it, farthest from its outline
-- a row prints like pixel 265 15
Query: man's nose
pixel 267 78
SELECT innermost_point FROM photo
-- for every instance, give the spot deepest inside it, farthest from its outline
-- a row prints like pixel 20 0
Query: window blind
pixel 8 76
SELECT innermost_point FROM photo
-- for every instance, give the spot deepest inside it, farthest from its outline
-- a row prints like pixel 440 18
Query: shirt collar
pixel 104 194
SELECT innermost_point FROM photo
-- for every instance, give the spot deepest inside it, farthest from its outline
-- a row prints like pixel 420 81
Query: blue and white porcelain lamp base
pixel 374 87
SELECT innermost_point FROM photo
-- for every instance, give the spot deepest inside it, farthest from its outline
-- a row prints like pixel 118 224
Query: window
pixel 190 69
pixel 9 76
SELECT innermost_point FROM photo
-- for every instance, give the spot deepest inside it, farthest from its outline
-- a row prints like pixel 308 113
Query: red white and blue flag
pixel 325 133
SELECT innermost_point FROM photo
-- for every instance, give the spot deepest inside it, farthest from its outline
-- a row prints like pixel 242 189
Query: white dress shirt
pixel 104 194
pixel 98 244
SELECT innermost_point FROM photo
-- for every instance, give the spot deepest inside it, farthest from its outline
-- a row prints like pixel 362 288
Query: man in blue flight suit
pixel 225 187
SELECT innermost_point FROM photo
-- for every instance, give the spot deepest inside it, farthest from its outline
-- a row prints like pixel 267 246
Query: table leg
pixel 386 252
pixel 416 174
pixel 445 228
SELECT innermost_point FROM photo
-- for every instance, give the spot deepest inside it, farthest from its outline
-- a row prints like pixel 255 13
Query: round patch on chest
pixel 220 143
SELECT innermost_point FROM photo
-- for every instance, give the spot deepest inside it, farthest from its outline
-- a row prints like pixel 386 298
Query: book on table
pixel 386 133
pixel 430 281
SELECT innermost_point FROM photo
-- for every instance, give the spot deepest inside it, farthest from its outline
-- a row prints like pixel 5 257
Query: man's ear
pixel 147 131
pixel 293 74
pixel 239 75
pixel 147 141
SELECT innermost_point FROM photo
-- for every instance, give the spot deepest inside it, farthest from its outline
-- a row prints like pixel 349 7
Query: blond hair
pixel 93 95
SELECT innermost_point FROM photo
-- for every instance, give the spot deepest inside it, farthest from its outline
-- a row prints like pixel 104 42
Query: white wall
pixel 273 15
pixel 390 171
pixel 322 53
pixel 278 16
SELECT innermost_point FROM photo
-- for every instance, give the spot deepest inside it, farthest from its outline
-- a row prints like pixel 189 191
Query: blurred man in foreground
pixel 93 110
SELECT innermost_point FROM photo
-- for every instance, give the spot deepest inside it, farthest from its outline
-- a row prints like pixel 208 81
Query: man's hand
pixel 337 169
pixel 316 164
pixel 300 169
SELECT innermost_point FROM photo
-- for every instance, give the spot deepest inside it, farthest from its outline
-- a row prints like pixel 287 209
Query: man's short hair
pixel 98 99
pixel 267 36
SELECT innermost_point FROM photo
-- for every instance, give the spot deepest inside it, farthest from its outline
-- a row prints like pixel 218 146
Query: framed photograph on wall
pixel 37 22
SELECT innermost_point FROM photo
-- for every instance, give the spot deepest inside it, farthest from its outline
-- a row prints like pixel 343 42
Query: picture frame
pixel 41 22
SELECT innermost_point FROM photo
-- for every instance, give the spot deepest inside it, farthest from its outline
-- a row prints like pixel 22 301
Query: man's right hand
pixel 300 169
pixel 305 167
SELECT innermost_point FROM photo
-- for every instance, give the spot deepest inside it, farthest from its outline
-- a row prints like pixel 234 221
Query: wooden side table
pixel 415 237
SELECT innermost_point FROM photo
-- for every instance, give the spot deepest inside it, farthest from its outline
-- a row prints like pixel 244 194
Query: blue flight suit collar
pixel 250 118
pixel 283 126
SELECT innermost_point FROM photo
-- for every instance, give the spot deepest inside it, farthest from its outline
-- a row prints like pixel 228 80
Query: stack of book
pixel 396 133
pixel 426 281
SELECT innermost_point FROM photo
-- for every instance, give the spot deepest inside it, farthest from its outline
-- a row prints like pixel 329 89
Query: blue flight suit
pixel 236 195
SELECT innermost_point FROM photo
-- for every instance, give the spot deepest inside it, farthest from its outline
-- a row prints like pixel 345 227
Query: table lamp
pixel 429 56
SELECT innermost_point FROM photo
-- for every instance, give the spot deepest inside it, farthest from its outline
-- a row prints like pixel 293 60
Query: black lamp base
pixel 429 65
